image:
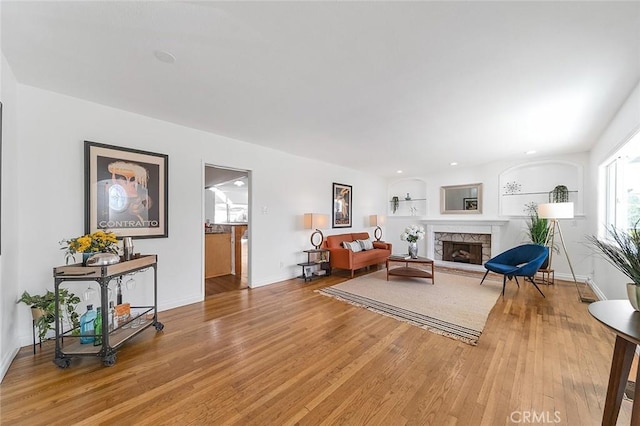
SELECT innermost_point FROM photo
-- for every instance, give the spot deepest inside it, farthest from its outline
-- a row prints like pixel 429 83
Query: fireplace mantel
pixel 465 221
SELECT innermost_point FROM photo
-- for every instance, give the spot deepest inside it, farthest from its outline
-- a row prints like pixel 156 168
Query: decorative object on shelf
pixel 395 203
pixel 623 253
pixel 560 194
pixel 554 212
pixel 44 313
pixel 127 248
pixel 98 242
pixel 512 187
pixel 408 197
pixel 342 208
pixel 412 234
pixel 102 259
pixel 413 210
pixel 126 191
pixel 316 221
pixel 377 220
pixel 531 208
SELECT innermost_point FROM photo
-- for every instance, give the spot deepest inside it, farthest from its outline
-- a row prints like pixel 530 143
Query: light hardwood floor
pixel 284 354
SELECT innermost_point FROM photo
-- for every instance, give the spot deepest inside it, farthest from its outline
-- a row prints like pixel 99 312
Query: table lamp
pixel 316 221
pixel 376 220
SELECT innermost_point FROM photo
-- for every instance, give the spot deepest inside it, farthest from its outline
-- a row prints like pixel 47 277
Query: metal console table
pixel 68 343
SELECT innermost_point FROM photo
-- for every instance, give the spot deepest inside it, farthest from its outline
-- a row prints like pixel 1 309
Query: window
pixel 622 175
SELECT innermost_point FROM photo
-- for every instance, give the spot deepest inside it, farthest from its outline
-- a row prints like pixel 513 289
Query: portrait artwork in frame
pixel 342 201
pixel 470 203
pixel 126 191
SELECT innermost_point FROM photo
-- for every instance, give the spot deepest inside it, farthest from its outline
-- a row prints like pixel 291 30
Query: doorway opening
pixel 226 229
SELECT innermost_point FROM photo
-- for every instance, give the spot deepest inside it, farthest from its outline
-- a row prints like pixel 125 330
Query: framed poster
pixel 126 191
pixel 470 203
pixel 342 199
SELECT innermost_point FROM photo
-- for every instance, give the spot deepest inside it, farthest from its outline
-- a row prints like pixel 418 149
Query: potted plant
pixel 623 252
pixel 43 309
pixel 98 242
pixel 537 231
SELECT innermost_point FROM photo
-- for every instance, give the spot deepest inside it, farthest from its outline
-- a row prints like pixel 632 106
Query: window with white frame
pixel 622 177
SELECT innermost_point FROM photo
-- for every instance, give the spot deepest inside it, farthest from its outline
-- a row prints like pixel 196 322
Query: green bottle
pixel 97 327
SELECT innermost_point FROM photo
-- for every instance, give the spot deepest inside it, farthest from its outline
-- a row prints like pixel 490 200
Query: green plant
pixel 99 241
pixel 395 202
pixel 47 304
pixel 623 251
pixel 538 229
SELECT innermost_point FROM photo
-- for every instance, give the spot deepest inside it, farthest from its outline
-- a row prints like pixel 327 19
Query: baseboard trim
pixel 6 362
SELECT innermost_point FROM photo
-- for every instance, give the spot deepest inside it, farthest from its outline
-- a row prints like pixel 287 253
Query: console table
pixel 619 317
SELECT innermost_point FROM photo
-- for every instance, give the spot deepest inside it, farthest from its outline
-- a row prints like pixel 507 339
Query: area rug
pixel 456 306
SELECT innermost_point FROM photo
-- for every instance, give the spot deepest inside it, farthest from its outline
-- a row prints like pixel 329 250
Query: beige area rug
pixel 457 306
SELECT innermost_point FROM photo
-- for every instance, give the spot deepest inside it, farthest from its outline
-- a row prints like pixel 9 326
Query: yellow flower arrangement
pixel 99 241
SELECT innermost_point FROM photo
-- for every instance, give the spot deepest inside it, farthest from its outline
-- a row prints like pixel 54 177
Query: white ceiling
pixel 375 86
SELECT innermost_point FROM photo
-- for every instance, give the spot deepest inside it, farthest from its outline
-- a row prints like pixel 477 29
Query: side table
pixel 548 276
pixel 619 317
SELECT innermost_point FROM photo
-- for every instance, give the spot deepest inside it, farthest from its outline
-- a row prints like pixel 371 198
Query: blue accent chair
pixel 522 261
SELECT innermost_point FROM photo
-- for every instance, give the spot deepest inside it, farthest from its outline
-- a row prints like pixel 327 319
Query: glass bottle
pixel 87 325
pixel 97 328
pixel 112 316
pixel 119 292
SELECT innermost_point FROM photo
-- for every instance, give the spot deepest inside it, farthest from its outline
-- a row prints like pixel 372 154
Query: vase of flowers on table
pixel 89 244
pixel 412 234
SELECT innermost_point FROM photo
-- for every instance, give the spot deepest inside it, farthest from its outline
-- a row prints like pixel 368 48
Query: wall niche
pixel 407 197
pixel 525 186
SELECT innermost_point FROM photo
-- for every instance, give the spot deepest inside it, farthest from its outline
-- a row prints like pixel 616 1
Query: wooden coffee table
pixel 411 271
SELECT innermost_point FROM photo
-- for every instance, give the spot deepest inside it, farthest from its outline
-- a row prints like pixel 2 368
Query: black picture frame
pixel 470 203
pixel 126 191
pixel 342 200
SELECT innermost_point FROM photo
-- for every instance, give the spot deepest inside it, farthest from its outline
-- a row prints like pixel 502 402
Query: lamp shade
pixel 555 211
pixel 376 220
pixel 315 221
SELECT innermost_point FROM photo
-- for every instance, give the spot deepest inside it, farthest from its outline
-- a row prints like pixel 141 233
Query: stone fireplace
pixel 466 243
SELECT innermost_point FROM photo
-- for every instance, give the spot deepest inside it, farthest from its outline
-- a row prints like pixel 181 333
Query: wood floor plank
pixel 284 354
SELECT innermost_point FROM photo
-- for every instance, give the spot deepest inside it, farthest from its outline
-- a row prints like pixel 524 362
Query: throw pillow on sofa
pixel 366 244
pixel 354 246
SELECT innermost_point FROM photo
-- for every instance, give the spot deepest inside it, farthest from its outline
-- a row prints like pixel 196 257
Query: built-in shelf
pixel 534 193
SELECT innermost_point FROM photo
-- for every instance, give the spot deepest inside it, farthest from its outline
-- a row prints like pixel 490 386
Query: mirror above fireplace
pixel 461 199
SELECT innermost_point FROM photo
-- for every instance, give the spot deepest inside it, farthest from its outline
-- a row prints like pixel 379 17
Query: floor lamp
pixel 553 212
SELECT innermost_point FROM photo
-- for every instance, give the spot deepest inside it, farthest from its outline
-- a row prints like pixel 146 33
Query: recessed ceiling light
pixel 399 171
pixel 453 163
pixel 164 56
pixel 238 183
pixel 530 152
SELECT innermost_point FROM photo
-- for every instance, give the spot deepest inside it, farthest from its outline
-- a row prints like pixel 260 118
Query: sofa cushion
pixel 354 246
pixel 366 244
pixel 335 241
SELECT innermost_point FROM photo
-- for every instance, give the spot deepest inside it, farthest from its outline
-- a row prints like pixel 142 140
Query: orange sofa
pixel 344 258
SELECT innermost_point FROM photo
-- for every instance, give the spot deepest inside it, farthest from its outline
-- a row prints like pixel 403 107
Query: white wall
pixel 514 232
pixel 11 195
pixel 624 125
pixel 48 173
